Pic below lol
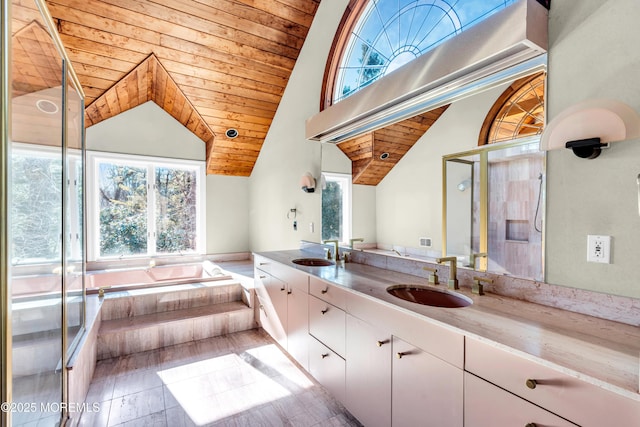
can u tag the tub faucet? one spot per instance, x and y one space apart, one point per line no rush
453 270
336 243
474 256
351 241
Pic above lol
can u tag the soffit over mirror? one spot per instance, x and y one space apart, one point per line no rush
461 66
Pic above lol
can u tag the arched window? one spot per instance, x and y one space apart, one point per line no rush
378 36
518 112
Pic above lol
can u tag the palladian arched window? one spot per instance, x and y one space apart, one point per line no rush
379 36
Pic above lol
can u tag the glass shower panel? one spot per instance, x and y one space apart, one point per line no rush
35 218
515 211
74 208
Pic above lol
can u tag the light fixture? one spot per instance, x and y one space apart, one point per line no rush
591 125
384 156
231 133
46 106
308 183
464 185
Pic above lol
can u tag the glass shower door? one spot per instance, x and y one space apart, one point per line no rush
35 217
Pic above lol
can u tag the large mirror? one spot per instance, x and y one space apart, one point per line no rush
493 201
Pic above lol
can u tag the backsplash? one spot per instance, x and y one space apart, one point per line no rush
604 306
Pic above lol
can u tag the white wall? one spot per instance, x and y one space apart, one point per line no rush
594 54
286 154
409 198
149 130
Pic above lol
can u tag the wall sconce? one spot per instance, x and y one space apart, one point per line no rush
308 183
591 125
464 185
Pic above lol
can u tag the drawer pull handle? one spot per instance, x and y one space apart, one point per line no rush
324 311
264 263
263 277
324 291
282 289
380 343
324 355
289 292
531 384
401 353
531 425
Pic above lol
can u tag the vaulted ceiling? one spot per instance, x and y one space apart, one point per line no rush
212 64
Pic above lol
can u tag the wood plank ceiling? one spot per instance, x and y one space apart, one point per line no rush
369 165
230 59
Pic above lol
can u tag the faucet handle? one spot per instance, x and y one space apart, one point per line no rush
478 287
433 277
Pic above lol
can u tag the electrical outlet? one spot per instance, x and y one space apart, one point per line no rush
425 241
599 249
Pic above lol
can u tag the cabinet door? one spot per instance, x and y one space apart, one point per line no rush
298 325
327 324
327 367
486 405
368 373
426 391
272 305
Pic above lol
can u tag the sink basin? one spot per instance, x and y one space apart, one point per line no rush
313 262
429 296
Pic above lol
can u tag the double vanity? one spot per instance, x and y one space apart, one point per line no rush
477 361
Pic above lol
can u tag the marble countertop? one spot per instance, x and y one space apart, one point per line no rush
598 351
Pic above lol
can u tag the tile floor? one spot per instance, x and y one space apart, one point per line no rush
241 379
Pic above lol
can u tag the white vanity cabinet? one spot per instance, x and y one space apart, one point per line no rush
426 391
368 373
414 377
327 328
486 405
282 293
565 395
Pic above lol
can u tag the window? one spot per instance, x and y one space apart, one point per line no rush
390 33
36 208
144 206
336 207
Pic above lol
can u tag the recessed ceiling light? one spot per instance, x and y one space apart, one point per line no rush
384 156
231 133
46 106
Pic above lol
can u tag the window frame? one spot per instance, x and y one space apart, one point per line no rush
346 181
150 163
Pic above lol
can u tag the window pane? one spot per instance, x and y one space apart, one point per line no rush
176 210
332 211
123 209
36 210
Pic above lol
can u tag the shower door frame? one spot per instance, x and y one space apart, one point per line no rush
69 78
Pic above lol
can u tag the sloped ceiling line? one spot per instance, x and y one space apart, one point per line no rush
150 81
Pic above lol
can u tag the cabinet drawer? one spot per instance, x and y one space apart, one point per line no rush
328 324
328 368
328 292
565 395
486 405
294 278
262 263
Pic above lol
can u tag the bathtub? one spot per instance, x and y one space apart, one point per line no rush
154 276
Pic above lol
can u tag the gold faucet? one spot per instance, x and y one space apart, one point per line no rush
478 287
453 270
359 239
474 256
336 243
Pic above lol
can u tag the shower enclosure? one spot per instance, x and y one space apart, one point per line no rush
42 225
